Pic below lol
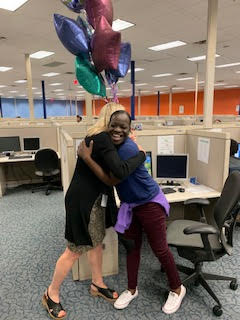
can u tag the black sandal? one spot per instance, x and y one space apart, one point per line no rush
105 293
52 307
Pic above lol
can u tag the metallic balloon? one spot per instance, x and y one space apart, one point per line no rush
85 26
105 46
123 64
97 8
71 35
88 77
74 5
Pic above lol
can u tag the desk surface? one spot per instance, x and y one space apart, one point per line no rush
191 191
7 160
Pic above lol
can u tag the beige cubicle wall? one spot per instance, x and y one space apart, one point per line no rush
24 172
46 132
214 171
232 127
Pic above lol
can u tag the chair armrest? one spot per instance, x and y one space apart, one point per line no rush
201 228
204 230
200 201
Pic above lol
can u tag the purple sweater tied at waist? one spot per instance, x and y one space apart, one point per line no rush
125 211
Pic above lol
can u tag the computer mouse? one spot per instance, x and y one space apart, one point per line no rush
181 189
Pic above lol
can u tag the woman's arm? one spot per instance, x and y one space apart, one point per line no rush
121 169
85 153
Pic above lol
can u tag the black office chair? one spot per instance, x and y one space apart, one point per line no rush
199 242
47 165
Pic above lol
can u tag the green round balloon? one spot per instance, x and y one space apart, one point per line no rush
88 77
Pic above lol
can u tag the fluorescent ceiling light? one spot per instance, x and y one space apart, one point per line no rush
4 69
34 88
136 70
41 54
168 45
198 58
2 86
219 84
145 91
237 71
120 81
126 90
177 88
55 84
199 82
60 94
119 24
11 5
84 91
20 81
228 65
13 91
38 92
160 86
50 74
140 84
184 79
232 86
58 90
22 95
162 75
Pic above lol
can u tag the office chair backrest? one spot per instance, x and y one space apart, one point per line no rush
46 160
227 208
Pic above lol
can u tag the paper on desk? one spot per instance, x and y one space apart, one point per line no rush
203 149
199 189
165 145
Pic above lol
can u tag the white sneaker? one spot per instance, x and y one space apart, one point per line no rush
174 301
124 299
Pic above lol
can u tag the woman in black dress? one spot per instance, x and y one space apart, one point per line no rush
85 213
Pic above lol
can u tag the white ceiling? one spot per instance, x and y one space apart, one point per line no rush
31 28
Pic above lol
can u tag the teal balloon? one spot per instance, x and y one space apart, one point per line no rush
89 78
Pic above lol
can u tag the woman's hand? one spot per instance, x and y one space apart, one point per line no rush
133 136
83 151
141 148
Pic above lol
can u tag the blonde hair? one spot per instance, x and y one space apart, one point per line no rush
104 118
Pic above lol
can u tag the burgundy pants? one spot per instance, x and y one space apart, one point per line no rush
151 219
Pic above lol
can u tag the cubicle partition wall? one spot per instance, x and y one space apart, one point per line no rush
208 157
14 173
148 139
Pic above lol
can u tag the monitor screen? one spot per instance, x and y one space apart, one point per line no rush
31 144
148 162
10 144
172 166
238 153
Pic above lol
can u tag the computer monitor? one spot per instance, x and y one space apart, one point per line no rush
148 162
31 144
237 155
8 144
172 167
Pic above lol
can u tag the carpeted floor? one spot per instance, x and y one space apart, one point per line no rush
32 238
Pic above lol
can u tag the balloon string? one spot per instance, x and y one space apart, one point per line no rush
114 90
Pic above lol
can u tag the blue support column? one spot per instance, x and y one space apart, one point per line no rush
44 101
158 103
1 114
133 90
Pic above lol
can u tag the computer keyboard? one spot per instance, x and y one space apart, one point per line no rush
168 190
22 156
